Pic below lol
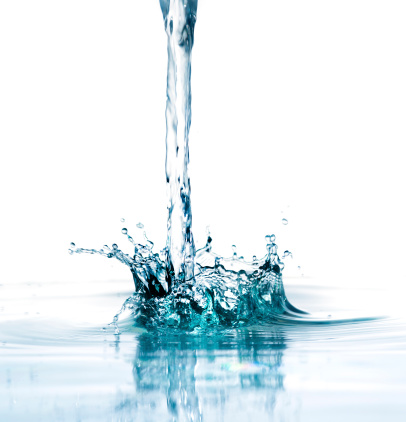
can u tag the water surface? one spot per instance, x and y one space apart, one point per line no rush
56 367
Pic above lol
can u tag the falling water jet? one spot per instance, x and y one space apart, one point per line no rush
179 18
182 286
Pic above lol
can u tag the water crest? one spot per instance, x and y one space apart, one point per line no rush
182 286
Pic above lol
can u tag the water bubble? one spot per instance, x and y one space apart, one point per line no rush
114 246
140 225
122 220
72 245
124 230
284 221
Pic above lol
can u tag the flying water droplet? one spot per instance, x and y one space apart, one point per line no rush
122 220
287 254
114 246
140 225
284 221
124 230
72 245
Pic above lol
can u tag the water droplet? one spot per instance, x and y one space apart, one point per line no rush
116 331
140 225
72 245
130 239
124 230
270 238
298 267
114 246
122 220
284 221
70 251
286 254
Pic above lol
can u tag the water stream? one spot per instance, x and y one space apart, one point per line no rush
200 337
181 286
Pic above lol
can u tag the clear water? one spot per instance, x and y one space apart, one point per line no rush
201 337
54 367
181 287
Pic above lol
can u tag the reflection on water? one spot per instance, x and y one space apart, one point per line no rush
55 371
190 378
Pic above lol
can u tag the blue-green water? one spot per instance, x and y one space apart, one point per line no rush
201 337
61 369
179 286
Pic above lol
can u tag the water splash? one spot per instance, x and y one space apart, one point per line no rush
224 292
180 286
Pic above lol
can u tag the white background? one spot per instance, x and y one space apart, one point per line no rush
298 112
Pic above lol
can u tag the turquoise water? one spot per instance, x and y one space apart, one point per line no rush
182 287
54 367
197 336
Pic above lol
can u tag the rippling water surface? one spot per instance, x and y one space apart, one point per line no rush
56 367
